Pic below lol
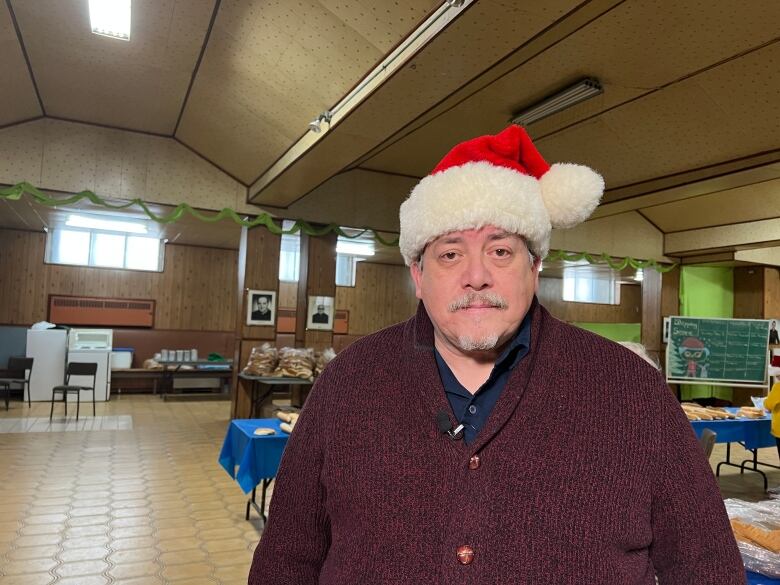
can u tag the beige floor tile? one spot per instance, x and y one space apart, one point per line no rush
242 558
89 520
33 552
132 531
133 570
34 529
191 555
135 555
86 541
83 554
39 540
178 532
140 502
126 522
76 568
197 581
81 531
83 580
142 581
187 571
226 544
219 533
131 543
28 579
131 512
29 566
232 573
173 544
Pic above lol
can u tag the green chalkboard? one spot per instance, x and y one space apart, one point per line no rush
721 352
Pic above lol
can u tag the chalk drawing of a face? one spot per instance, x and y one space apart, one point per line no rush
692 350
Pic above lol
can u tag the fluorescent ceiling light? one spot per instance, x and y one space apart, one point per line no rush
110 18
355 248
82 221
579 92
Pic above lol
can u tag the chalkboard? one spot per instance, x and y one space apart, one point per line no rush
721 352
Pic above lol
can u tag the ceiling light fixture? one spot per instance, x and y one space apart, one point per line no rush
579 92
640 275
401 55
316 124
83 221
110 18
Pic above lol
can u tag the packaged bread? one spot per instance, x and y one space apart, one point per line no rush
295 363
750 412
262 361
322 359
769 539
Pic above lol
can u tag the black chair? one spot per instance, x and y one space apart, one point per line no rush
75 369
18 372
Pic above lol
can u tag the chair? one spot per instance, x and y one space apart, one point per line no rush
707 441
75 369
19 371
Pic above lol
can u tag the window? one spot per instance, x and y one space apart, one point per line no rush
289 254
583 287
350 251
85 247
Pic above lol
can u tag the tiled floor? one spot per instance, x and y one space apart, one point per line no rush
148 504
141 506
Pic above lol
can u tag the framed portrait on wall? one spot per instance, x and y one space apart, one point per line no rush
320 313
261 307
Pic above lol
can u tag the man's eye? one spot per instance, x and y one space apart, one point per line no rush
502 252
449 255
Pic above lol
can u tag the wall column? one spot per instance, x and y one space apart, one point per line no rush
258 269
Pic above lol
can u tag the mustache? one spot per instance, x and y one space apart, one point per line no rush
490 299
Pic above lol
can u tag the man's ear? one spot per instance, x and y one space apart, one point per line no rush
416 273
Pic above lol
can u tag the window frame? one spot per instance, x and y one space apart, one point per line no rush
52 235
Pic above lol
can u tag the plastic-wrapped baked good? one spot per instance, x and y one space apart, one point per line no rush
295 363
262 361
322 359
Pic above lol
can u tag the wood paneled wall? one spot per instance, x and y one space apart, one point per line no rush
196 290
771 293
652 321
749 292
383 295
670 293
628 311
320 281
262 273
288 295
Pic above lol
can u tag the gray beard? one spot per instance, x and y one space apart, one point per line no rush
485 343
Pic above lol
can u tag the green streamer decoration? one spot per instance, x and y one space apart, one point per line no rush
16 192
614 263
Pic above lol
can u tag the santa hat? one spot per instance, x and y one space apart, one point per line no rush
502 181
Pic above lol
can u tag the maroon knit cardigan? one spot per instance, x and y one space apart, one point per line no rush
589 473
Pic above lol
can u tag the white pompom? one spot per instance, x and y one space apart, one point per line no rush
570 193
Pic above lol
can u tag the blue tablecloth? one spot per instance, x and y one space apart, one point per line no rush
754 433
257 457
756 579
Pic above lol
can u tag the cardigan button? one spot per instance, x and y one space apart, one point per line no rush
474 462
465 554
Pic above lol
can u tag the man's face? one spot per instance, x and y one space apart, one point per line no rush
262 304
320 309
477 286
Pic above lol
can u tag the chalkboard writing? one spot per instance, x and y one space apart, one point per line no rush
721 352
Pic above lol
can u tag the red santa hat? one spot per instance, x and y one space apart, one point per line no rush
502 181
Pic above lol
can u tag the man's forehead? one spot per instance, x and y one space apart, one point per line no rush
487 233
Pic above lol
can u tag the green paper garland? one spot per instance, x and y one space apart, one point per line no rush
15 193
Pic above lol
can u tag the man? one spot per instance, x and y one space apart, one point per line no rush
262 311
571 462
320 316
774 339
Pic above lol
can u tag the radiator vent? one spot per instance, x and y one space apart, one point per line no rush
99 311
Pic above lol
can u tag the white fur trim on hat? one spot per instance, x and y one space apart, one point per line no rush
571 192
472 196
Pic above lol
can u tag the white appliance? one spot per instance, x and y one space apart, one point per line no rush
48 348
92 346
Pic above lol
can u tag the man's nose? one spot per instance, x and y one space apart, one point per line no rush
476 273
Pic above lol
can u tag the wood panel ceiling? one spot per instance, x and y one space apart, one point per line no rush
690 94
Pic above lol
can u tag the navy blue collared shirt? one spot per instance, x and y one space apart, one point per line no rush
473 410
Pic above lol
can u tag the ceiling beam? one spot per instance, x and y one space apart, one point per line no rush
751 234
